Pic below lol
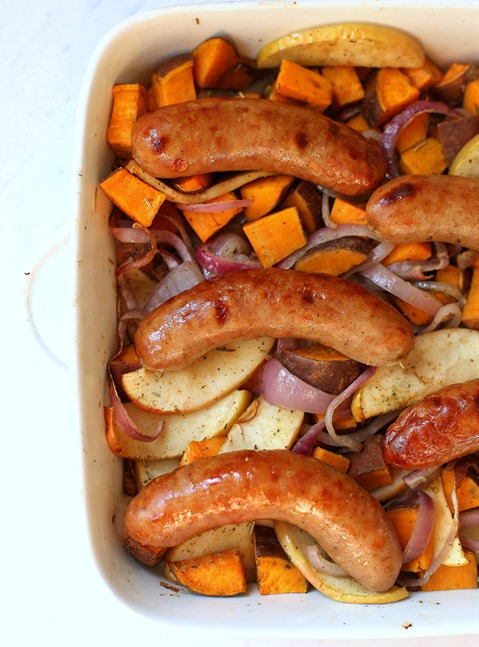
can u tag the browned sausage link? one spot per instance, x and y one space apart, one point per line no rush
419 208
212 135
441 427
246 485
248 304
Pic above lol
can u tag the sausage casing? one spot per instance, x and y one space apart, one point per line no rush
246 485
419 208
210 135
249 304
441 427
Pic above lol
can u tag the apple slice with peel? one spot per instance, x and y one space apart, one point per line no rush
295 542
357 44
203 382
466 161
263 426
178 429
438 359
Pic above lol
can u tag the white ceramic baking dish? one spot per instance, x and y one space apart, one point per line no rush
449 32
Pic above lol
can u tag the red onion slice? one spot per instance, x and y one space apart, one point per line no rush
306 443
283 389
181 278
130 235
225 253
469 542
416 270
135 234
450 315
469 518
228 244
384 278
420 478
143 260
466 258
346 440
321 563
375 425
397 123
440 286
375 256
326 212
422 528
125 423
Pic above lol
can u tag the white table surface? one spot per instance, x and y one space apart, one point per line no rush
51 589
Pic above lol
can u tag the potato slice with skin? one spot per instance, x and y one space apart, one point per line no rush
178 429
438 359
203 382
322 367
263 426
295 542
237 536
354 44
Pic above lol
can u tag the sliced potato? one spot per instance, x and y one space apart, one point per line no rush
201 383
438 359
466 161
237 536
295 542
178 429
356 44
263 426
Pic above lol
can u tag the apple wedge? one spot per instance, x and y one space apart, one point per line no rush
466 161
438 359
201 383
178 429
295 542
356 44
263 426
146 470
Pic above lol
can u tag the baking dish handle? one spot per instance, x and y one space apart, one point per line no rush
47 299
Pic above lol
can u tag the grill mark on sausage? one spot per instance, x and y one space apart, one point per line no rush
301 140
158 143
180 164
403 191
222 311
333 129
307 295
